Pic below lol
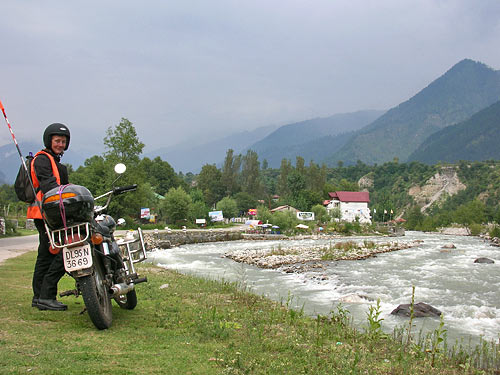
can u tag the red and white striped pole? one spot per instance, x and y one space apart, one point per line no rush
17 146
13 136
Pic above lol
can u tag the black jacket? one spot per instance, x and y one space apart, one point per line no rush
43 171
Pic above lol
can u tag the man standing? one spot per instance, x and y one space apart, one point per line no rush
47 173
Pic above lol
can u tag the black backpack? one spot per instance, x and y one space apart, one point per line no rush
22 185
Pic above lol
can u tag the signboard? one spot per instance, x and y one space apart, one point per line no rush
252 211
305 216
216 216
145 213
201 221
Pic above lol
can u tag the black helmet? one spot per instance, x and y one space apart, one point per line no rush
55 129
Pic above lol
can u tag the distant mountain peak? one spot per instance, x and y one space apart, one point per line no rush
470 67
468 87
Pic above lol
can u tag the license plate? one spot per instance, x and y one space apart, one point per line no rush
77 258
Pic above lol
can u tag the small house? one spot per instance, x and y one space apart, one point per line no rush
352 205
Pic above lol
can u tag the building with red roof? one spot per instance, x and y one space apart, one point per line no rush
352 205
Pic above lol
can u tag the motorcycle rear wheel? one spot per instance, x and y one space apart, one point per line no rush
127 301
96 297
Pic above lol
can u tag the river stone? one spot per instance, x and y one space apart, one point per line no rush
449 246
164 244
484 260
420 310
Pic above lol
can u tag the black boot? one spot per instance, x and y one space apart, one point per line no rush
34 302
51 304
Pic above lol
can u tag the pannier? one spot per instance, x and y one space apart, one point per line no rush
77 206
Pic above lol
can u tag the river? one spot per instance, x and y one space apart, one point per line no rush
467 293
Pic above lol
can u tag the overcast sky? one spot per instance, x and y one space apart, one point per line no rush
195 69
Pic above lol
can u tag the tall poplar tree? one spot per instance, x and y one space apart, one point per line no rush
285 169
230 173
250 174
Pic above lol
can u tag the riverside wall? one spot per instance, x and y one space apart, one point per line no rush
165 239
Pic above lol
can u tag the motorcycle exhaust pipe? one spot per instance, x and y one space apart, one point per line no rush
121 289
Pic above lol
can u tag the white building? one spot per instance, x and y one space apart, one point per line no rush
352 205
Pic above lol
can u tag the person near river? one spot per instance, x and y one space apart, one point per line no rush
47 173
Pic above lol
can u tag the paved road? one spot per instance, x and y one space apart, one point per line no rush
13 246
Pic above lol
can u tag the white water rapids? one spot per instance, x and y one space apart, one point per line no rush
467 293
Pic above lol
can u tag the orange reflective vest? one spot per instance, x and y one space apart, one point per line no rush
34 208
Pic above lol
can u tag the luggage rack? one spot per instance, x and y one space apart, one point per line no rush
133 251
59 237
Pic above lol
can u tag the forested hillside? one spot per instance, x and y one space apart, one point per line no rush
465 89
314 139
475 139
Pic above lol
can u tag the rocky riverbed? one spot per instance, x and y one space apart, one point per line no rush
305 258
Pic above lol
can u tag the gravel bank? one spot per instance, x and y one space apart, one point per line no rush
299 256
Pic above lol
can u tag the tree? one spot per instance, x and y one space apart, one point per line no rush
209 182
296 183
282 185
176 205
245 201
263 214
230 171
160 174
345 185
320 213
300 165
316 177
197 195
95 174
250 174
472 212
228 207
415 218
122 143
198 210
286 220
305 199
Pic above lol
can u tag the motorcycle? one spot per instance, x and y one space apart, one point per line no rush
102 267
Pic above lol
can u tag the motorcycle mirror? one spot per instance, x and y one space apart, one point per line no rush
120 168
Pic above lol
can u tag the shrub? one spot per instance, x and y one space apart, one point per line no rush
475 229
495 232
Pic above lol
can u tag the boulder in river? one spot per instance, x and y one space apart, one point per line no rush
420 310
448 246
484 260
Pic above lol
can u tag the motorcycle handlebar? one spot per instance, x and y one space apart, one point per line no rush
124 189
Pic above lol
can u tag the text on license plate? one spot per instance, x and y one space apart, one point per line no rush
77 258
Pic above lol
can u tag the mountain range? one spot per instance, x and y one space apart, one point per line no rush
453 118
312 139
465 89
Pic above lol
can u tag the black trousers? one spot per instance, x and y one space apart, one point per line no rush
49 268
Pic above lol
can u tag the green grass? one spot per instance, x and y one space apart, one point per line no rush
188 325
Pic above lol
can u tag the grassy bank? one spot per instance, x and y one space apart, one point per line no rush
187 325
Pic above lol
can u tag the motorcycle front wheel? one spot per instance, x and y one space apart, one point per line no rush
96 297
